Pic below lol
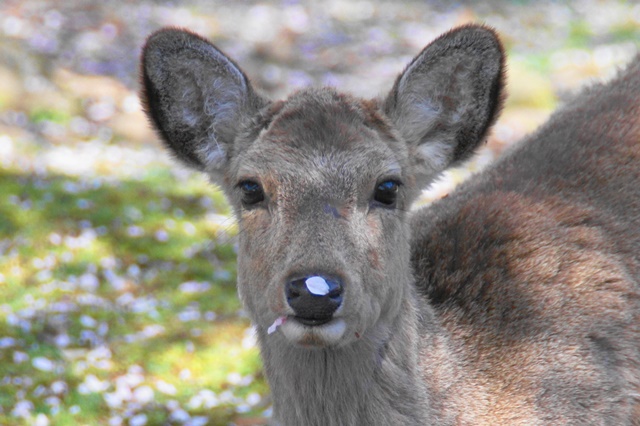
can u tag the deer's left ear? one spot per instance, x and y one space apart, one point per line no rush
448 97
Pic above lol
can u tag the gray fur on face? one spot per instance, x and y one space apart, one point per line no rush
512 301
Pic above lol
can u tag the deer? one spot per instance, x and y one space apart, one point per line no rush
514 300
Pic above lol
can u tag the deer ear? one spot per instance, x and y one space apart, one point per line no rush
448 97
196 97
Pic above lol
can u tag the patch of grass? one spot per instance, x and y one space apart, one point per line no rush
626 32
580 34
94 307
39 115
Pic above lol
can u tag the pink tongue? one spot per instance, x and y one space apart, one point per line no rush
277 323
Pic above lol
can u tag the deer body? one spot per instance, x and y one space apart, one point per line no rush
533 268
515 300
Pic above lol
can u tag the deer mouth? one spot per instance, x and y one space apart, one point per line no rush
313 332
312 322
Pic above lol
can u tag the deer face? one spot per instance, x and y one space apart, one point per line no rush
321 196
320 183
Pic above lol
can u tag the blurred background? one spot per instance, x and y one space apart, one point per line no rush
117 267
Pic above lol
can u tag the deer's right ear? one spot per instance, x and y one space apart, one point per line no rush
196 97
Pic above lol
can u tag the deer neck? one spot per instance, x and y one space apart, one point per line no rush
372 381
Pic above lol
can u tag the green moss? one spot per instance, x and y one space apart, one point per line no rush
38 115
133 242
625 32
580 34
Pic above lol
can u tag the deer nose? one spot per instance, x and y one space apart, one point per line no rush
314 299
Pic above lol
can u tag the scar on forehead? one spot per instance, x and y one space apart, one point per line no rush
329 209
338 213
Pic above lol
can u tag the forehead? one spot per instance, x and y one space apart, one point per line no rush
324 129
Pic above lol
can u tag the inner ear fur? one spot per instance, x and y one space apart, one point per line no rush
195 96
448 97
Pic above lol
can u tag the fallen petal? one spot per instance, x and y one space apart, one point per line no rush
277 323
317 285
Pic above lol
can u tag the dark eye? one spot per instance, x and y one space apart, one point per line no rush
386 192
251 192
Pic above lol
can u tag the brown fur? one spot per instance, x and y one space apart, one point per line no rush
512 301
534 267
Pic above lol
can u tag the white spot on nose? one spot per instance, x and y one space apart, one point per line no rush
317 285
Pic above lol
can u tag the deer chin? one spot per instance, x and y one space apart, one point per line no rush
314 336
